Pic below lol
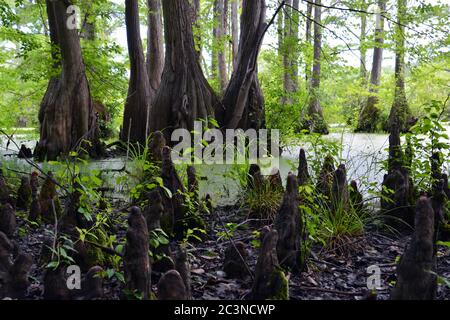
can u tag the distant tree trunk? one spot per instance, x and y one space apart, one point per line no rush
285 51
280 33
362 46
155 46
243 102
137 104
309 8
314 121
66 114
184 94
88 27
290 51
219 67
368 118
195 10
235 30
400 113
194 7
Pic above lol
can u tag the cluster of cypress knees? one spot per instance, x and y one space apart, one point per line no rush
281 244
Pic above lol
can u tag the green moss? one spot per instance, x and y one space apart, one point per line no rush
95 256
280 285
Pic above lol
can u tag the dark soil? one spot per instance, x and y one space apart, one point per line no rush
337 274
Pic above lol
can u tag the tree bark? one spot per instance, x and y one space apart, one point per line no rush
362 47
290 51
184 94
155 46
368 118
137 104
314 121
280 34
400 113
66 114
309 8
243 102
235 31
194 7
219 67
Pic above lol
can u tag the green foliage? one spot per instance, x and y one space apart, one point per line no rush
157 238
429 136
229 232
61 251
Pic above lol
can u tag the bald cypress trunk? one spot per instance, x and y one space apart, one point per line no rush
137 104
400 113
314 121
235 30
243 102
290 51
362 47
309 8
219 68
66 114
155 46
369 115
184 94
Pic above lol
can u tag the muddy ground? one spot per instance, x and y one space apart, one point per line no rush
339 274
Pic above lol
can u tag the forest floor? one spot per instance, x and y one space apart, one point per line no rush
330 274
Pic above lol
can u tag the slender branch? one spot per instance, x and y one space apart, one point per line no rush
261 37
233 244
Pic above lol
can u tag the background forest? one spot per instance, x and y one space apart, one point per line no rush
348 38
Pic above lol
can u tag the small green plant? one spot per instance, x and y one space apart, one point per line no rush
194 233
157 238
61 251
256 239
230 229
111 273
427 138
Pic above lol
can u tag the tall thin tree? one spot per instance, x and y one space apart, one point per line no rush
362 44
155 45
400 114
369 115
314 121
219 67
235 30
290 50
308 22
137 104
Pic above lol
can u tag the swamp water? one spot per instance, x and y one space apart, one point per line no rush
361 153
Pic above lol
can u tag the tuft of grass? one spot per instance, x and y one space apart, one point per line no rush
340 227
262 202
337 230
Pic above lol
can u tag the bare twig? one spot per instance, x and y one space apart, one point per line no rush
233 244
